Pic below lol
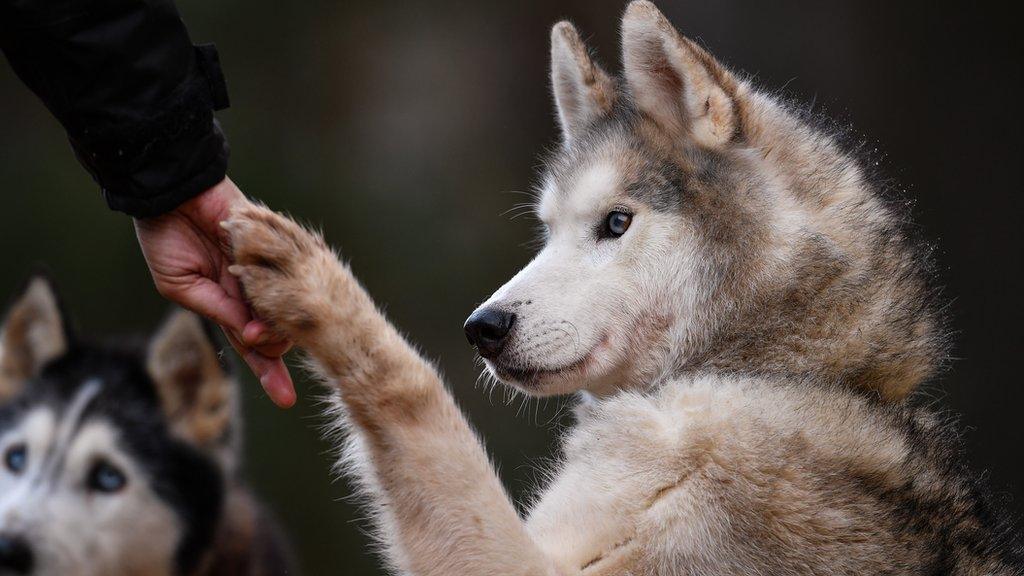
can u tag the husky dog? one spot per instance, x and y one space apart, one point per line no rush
122 461
738 311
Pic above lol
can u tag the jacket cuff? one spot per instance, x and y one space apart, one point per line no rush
156 201
150 168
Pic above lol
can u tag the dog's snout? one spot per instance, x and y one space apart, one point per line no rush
15 555
488 328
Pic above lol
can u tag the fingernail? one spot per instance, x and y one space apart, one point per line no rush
235 270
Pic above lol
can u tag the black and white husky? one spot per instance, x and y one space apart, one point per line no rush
122 460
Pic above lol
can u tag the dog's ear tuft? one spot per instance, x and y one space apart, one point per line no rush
676 82
583 91
198 396
34 333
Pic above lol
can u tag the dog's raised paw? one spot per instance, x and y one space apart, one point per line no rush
287 272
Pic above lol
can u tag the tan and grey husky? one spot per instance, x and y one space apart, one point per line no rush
737 310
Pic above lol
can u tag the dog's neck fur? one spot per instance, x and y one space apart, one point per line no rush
838 292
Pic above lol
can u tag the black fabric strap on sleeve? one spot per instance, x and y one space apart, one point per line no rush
209 61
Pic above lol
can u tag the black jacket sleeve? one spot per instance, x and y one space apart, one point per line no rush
135 96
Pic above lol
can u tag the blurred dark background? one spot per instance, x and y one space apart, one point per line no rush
402 129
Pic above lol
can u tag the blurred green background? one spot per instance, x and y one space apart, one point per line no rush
404 129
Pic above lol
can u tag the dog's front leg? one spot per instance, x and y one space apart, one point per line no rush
442 510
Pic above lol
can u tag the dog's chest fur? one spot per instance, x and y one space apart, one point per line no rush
727 476
626 457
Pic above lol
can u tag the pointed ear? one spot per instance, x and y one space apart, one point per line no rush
196 393
583 91
674 81
34 333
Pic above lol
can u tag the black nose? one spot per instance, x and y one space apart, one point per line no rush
487 329
15 555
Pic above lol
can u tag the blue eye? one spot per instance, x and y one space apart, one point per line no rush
617 223
16 458
105 477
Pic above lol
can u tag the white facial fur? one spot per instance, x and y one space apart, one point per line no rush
596 314
72 530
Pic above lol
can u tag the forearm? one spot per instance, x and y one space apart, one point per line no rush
443 509
424 466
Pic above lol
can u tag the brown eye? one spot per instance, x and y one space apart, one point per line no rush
617 223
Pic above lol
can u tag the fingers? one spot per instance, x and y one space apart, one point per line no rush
210 299
254 334
273 349
271 371
187 256
258 335
276 381
261 350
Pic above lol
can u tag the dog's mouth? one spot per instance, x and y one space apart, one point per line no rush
527 376
531 376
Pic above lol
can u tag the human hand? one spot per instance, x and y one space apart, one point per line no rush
186 251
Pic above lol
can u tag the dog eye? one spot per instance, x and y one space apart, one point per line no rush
617 223
105 477
16 458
